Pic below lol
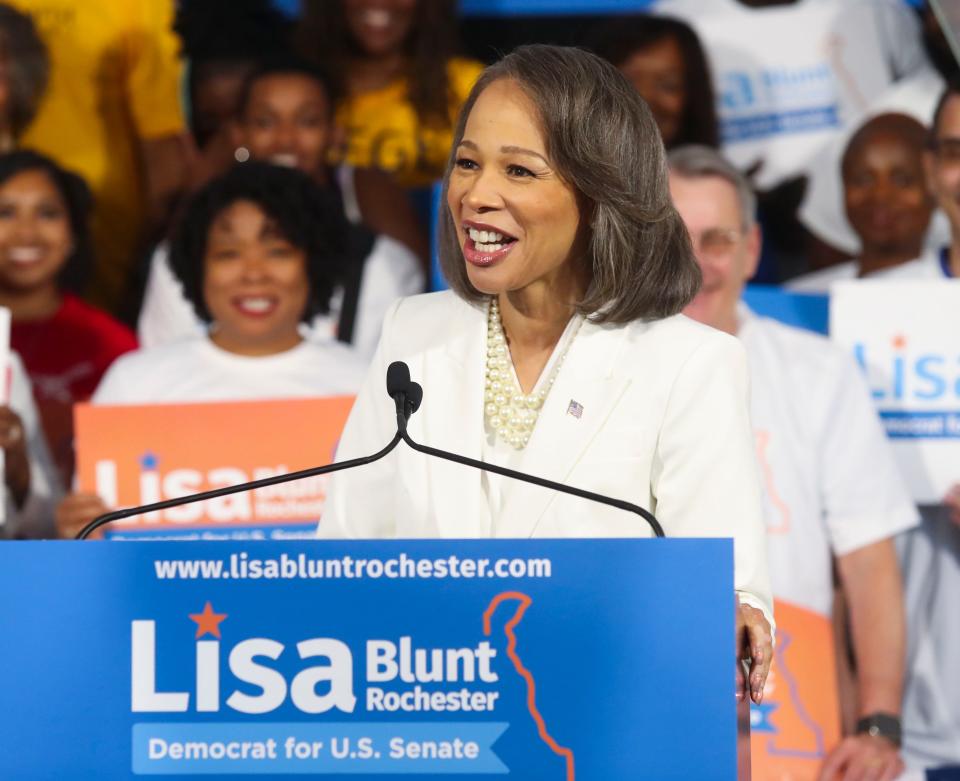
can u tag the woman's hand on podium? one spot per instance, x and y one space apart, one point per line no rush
754 646
76 511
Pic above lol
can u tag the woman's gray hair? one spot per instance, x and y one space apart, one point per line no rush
603 141
698 162
28 66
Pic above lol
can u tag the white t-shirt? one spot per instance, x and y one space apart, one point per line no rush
927 266
790 77
196 370
819 281
830 482
390 271
822 211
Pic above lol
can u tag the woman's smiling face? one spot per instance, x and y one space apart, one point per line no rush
517 220
287 121
255 282
380 26
35 234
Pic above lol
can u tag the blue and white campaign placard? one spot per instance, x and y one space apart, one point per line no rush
532 660
906 336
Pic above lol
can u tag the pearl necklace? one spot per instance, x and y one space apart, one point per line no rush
508 411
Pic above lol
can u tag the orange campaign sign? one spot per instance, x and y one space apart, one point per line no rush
132 455
798 723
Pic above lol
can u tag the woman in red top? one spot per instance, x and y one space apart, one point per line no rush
66 345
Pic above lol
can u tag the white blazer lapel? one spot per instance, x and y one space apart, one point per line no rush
561 435
453 420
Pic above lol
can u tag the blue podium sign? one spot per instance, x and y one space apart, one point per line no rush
558 659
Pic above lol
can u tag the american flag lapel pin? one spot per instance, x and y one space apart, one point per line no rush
575 408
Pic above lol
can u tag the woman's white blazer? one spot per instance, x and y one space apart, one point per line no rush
664 424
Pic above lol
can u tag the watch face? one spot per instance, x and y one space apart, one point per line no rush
881 725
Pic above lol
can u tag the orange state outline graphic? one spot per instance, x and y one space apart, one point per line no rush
523 672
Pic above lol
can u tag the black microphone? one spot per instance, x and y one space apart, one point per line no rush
406 393
414 398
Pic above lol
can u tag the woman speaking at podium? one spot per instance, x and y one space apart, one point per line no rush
559 350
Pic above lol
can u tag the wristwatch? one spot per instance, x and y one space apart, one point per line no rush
881 725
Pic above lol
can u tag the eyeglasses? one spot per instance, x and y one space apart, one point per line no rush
947 150
716 243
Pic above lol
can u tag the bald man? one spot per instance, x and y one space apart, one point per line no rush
886 201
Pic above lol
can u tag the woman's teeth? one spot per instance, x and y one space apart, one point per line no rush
256 305
25 254
488 241
376 17
284 159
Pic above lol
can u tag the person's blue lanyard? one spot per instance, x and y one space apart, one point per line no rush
945 262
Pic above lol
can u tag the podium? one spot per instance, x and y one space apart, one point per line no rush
597 660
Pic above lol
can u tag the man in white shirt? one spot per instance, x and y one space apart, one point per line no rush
832 486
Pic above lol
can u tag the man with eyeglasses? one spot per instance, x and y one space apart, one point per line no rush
831 486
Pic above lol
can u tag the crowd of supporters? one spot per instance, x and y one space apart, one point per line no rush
215 200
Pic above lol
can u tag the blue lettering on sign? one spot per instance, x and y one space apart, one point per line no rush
737 92
760 717
331 748
791 98
819 76
905 377
921 425
741 129
929 369
913 382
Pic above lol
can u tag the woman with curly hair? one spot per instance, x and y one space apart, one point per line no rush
258 251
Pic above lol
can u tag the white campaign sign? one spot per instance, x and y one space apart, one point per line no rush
906 336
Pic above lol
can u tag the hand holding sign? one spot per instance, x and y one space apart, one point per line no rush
17 464
76 511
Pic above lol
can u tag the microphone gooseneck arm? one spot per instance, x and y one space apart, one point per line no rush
398 386
407 396
414 391
327 469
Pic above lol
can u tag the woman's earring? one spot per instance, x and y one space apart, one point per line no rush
241 154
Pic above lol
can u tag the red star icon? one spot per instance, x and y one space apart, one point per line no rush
208 622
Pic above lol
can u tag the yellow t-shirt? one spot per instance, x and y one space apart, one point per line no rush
114 80
382 130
